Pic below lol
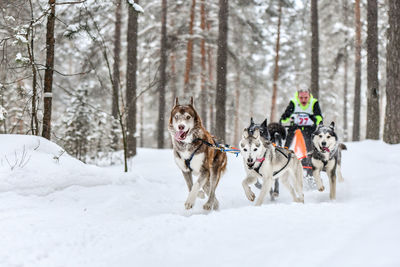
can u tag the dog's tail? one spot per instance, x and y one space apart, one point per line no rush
342 146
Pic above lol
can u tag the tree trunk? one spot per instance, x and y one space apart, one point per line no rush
142 122
346 70
211 116
48 74
116 81
373 121
163 77
357 89
236 130
131 81
31 52
189 51
314 49
391 132
203 86
220 98
276 70
172 82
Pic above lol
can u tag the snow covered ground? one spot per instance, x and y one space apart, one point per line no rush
65 213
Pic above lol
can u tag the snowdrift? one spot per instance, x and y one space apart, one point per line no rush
34 165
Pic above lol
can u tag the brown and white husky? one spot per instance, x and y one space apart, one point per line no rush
194 155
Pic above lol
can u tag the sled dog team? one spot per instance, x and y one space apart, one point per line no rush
264 158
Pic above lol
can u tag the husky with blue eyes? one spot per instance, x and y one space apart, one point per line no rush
266 162
327 156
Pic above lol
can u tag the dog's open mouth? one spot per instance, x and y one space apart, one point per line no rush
250 165
325 149
181 135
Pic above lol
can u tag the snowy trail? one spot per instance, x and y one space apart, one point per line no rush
71 214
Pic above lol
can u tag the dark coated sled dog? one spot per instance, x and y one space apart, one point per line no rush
326 156
194 155
267 162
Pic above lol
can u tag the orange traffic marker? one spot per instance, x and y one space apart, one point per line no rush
300 148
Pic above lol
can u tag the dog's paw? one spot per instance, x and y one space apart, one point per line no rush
207 206
201 194
322 188
188 205
250 195
341 180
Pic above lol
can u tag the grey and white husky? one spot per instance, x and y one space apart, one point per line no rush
275 133
262 160
326 156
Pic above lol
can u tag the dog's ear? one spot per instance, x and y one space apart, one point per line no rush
251 121
332 126
256 133
176 101
191 101
264 123
245 133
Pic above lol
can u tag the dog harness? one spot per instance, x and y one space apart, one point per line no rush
319 156
288 157
220 147
187 161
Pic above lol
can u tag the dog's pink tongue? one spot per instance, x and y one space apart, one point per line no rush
326 149
178 135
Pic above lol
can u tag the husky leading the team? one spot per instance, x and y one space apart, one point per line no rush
194 155
264 158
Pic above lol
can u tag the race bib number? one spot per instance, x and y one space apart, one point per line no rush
303 120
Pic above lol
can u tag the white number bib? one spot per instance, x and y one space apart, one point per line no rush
303 120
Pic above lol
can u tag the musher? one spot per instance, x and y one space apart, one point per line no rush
304 113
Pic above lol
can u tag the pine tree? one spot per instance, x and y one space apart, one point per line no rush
222 58
163 77
357 86
391 132
373 118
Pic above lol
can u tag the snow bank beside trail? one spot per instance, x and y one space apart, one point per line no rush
34 165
